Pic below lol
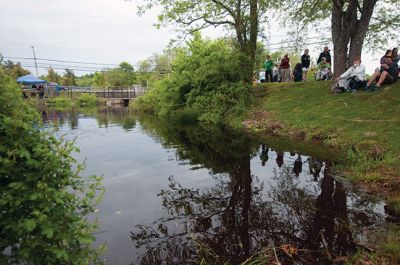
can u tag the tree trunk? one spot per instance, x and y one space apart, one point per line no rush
355 47
359 33
340 57
249 44
349 27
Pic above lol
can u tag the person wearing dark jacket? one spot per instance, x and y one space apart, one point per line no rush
305 64
298 73
326 53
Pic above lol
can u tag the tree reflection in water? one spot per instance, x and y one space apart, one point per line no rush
238 217
241 215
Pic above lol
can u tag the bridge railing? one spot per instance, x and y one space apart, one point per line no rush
109 92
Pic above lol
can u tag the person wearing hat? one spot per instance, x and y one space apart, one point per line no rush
326 53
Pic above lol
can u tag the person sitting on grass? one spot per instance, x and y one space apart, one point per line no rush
396 59
298 73
261 75
387 74
353 79
323 70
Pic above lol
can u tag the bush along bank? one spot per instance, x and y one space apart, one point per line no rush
82 100
363 127
199 89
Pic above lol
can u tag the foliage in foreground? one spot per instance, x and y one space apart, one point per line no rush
205 85
44 203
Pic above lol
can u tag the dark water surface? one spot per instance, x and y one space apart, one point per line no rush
177 195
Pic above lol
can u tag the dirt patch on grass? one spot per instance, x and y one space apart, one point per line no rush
262 120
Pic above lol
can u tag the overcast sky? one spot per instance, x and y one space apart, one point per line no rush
99 31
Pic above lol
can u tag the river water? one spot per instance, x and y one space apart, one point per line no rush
181 194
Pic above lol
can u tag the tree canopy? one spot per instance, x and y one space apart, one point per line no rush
353 23
241 17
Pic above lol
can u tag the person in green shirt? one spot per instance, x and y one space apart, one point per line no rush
324 69
268 65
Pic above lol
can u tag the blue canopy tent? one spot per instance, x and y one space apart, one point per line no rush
30 80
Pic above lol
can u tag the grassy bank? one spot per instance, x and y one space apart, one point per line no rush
363 127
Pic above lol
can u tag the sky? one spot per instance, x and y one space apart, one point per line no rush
96 31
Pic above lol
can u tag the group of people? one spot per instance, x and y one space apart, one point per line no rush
351 80
282 72
355 78
37 89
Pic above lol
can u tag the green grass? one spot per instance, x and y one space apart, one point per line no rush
365 126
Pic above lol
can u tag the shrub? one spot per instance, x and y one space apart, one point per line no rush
205 84
86 100
44 203
60 102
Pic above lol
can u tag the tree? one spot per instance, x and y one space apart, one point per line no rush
52 76
14 70
129 73
85 80
123 75
99 79
352 23
69 78
240 16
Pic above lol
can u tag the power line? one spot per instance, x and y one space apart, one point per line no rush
61 68
100 65
55 60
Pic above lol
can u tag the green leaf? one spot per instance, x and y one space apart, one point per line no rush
29 225
48 231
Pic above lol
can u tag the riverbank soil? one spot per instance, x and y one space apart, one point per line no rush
364 127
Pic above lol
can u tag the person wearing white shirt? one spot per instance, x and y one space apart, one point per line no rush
275 73
354 78
262 76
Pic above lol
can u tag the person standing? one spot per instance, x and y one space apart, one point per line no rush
285 69
326 53
275 73
268 65
305 64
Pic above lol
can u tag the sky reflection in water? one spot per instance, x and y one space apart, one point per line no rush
176 194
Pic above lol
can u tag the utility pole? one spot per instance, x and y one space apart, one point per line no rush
34 57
